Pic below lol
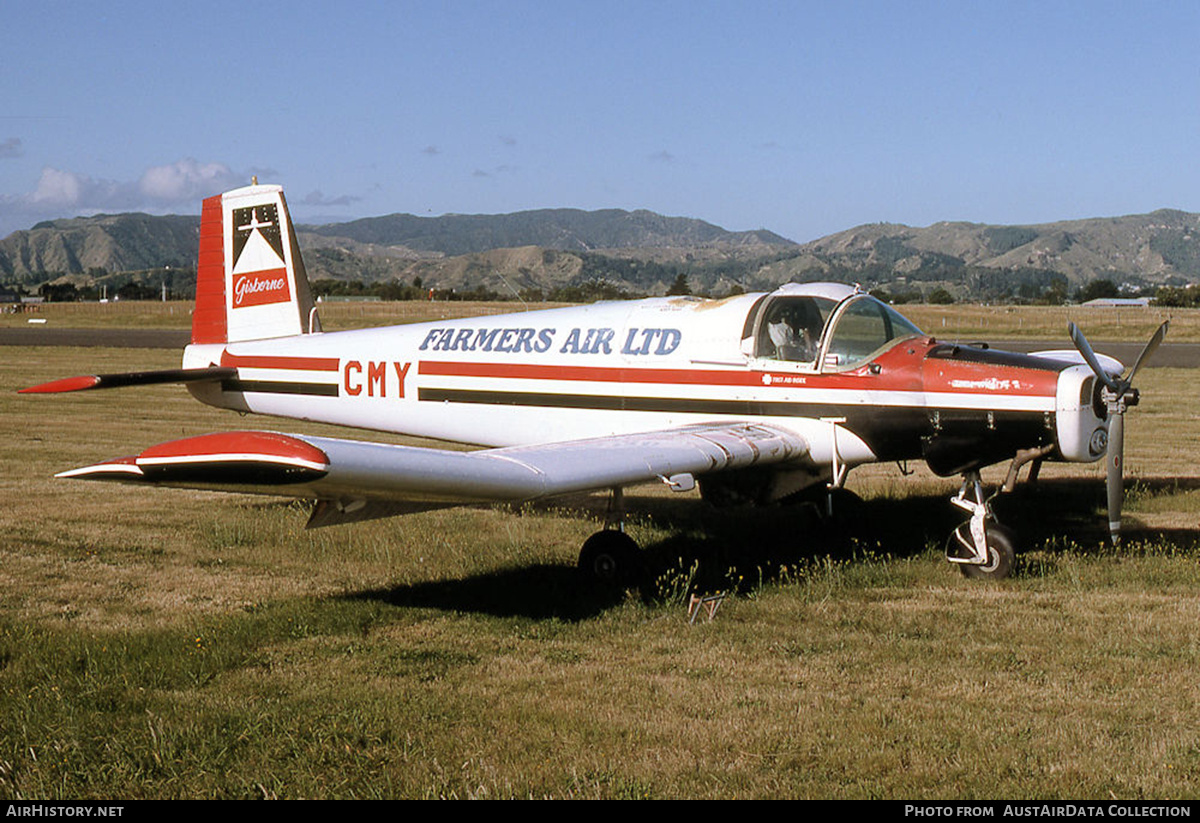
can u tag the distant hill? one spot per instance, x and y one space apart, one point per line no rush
562 229
644 251
1159 248
113 242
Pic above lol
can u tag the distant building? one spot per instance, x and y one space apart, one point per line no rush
1118 302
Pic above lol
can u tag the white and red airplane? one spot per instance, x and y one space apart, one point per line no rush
757 398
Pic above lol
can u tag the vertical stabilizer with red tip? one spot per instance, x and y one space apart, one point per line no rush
250 282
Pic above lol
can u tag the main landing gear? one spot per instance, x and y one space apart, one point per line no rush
610 557
982 547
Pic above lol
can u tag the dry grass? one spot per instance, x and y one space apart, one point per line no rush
971 322
967 322
179 644
335 316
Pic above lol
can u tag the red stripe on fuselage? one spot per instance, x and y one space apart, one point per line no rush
590 374
976 378
902 368
279 362
900 373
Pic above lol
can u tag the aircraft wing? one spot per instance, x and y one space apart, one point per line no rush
356 480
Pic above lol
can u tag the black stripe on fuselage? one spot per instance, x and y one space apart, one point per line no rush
280 387
892 432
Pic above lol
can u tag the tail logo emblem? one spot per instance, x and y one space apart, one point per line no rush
259 271
261 220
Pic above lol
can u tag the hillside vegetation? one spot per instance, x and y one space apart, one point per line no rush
541 252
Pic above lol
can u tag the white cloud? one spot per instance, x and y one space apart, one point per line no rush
56 187
187 180
67 189
177 184
176 187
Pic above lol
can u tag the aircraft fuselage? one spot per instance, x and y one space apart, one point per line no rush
622 367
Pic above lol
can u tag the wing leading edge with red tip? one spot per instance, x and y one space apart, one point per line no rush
354 472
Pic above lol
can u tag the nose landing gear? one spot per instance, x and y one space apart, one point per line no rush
981 547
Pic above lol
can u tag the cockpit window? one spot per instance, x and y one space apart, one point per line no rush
791 328
863 327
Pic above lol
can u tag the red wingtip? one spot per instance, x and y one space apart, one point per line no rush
87 381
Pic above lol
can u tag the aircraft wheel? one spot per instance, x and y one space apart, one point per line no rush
1002 553
611 558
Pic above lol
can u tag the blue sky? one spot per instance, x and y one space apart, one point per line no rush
803 118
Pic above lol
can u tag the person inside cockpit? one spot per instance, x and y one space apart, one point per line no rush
794 329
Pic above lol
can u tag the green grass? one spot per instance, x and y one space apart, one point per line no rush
163 644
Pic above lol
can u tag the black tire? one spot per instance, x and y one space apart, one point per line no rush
1002 551
610 558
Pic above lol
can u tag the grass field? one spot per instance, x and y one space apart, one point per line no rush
965 322
172 644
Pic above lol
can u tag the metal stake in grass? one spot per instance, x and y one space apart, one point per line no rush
710 604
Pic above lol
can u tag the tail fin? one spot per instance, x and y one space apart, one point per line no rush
250 282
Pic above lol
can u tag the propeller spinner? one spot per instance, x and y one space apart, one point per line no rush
1118 394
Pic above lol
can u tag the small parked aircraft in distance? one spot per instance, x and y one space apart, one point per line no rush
758 398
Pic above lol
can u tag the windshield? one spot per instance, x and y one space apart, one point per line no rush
862 328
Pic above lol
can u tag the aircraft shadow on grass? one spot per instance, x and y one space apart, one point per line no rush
710 550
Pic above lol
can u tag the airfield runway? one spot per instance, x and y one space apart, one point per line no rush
1173 355
105 338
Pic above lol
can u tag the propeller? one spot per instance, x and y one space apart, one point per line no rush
1118 394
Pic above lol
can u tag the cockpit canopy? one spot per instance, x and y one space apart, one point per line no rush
827 326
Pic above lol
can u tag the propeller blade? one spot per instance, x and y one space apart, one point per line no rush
1117 390
1085 348
1146 352
1115 464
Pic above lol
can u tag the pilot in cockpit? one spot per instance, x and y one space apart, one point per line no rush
794 328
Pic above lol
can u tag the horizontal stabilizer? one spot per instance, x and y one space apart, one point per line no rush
136 378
